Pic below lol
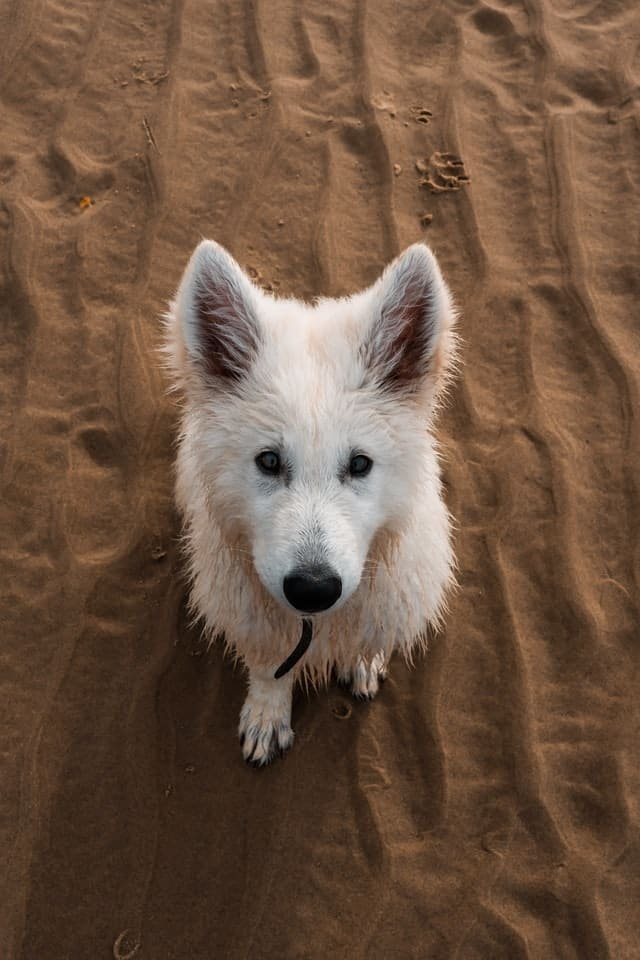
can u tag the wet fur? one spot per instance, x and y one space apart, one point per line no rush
366 371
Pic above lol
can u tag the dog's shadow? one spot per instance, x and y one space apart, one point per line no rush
251 841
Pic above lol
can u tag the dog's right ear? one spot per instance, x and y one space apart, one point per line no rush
216 307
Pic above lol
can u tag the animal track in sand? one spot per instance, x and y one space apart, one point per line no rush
7 168
421 115
101 446
384 102
443 172
99 503
270 286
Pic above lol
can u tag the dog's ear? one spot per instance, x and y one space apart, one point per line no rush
410 341
219 323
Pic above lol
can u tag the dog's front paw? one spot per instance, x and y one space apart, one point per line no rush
265 721
263 738
364 679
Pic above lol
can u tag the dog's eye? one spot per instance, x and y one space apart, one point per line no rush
359 466
268 462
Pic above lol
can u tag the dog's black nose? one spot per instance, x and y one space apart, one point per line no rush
311 589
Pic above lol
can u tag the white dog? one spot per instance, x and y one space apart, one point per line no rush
308 477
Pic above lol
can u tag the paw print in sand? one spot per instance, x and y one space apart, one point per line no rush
421 115
442 172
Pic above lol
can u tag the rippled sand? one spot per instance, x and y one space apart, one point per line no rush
487 805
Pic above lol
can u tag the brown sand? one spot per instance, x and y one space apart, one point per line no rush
488 804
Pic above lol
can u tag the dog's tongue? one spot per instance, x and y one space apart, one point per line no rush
300 650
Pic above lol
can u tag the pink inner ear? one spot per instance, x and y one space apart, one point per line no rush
404 337
227 332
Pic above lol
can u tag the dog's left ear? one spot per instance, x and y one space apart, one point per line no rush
410 342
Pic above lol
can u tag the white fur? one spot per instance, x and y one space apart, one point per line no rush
313 382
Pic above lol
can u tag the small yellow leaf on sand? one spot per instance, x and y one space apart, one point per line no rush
85 202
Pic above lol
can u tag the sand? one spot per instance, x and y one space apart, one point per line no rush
487 805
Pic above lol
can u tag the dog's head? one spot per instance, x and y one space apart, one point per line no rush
309 424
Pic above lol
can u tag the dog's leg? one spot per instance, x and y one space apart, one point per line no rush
364 679
265 720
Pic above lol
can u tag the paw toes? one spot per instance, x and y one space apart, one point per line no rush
261 745
285 739
362 696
